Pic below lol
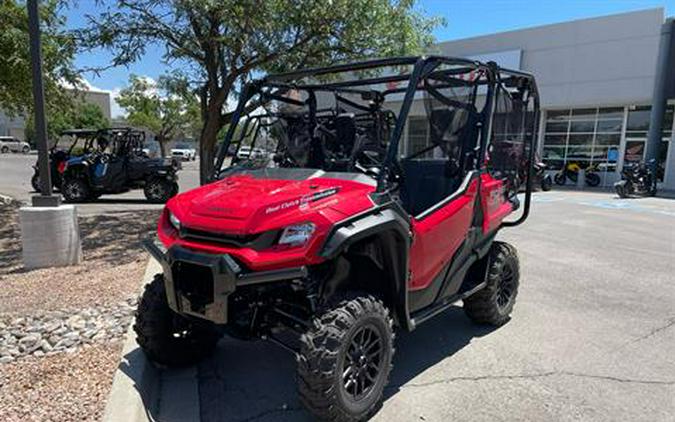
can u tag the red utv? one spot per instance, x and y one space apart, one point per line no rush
347 232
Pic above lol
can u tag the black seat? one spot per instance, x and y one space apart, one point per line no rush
428 180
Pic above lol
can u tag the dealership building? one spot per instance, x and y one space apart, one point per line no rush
596 79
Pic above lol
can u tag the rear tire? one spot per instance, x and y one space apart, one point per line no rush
159 190
592 180
345 359
167 337
75 190
35 182
4 150
559 179
493 304
25 150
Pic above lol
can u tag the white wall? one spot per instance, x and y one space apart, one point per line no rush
601 61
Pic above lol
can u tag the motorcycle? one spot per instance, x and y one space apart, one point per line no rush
541 178
571 171
638 179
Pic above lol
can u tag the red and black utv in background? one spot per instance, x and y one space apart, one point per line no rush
345 233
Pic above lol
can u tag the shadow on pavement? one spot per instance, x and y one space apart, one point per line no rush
246 381
144 377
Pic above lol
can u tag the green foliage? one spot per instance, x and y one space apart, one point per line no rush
166 107
58 49
221 44
77 115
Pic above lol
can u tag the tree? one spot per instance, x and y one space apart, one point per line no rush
58 49
222 43
78 115
165 107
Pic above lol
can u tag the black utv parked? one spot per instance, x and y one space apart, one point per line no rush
79 141
117 165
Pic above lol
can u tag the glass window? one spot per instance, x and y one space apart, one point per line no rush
610 112
558 114
638 119
610 139
554 157
591 138
583 126
610 126
556 127
555 140
584 113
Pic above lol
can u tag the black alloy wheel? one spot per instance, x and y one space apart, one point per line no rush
75 190
363 362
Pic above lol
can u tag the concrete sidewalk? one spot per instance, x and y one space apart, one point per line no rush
142 392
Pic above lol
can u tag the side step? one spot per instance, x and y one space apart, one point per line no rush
431 311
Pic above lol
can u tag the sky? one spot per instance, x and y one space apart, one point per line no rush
464 18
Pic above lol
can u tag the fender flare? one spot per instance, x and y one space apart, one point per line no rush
389 225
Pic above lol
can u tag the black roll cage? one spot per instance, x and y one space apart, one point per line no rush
423 66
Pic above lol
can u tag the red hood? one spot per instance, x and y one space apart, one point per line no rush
244 204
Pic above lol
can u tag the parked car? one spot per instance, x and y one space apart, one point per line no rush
184 152
244 152
118 165
325 254
10 143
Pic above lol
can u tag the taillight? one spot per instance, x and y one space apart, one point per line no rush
61 167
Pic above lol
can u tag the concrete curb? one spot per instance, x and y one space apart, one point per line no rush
141 392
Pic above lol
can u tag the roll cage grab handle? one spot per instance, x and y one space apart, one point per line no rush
422 66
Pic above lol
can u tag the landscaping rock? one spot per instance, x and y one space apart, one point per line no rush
59 331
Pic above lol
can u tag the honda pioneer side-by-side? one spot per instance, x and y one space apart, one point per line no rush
376 209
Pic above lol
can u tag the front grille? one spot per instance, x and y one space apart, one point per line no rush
255 241
195 282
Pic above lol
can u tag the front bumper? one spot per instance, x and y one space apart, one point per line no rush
199 284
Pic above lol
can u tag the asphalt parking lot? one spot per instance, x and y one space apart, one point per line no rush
16 171
592 336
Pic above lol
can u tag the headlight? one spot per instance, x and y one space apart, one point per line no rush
175 222
297 235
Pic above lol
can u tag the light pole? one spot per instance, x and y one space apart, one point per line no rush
46 197
50 235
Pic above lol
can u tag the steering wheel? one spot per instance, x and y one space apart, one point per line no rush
368 159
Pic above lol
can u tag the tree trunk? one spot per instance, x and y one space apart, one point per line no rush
162 145
207 143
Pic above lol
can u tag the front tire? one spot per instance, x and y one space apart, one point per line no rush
25 150
493 304
559 178
621 189
75 190
160 190
546 183
4 150
345 359
167 337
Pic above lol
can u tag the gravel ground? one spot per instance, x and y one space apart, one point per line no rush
62 387
61 328
113 263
